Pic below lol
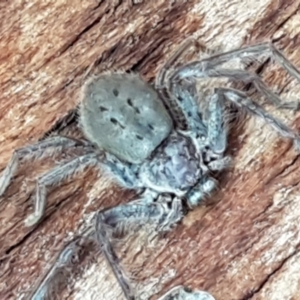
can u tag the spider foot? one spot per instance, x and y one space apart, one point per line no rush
32 219
297 144
183 293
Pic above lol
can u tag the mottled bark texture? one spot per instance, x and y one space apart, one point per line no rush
243 246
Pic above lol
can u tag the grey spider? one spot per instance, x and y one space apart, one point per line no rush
135 132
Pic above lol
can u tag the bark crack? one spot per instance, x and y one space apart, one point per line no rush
272 274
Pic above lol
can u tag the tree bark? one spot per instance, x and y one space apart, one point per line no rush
243 246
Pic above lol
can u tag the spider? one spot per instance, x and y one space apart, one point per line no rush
134 131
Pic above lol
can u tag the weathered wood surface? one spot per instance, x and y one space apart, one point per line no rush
243 247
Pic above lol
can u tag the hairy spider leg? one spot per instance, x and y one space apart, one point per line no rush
68 257
211 132
122 172
53 177
208 68
36 151
242 100
138 212
187 109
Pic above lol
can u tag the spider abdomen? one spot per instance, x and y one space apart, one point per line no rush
123 115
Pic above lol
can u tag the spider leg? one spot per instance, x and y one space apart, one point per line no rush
210 133
242 100
162 77
214 131
200 191
185 94
182 293
124 172
138 212
71 255
53 177
208 68
38 150
179 110
217 130
217 133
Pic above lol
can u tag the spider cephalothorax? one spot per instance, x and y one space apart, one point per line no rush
146 148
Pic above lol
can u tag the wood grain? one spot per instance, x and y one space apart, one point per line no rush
244 246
